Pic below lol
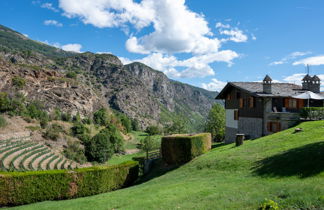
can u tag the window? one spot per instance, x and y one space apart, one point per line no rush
229 97
238 95
236 115
251 102
291 103
274 127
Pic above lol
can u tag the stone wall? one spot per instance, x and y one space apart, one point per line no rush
230 134
251 127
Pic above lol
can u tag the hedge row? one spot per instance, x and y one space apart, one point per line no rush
17 188
178 149
312 113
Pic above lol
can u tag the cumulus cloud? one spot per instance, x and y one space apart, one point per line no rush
49 6
52 23
234 34
289 58
214 85
172 29
313 61
72 47
67 47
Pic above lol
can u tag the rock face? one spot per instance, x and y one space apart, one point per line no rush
50 87
102 80
144 93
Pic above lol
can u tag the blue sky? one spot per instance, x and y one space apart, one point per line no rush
204 43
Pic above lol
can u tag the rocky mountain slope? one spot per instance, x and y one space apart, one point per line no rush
134 89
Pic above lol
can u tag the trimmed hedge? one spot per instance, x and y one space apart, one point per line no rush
17 188
312 113
178 149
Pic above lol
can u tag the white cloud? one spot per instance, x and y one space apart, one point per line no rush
313 61
49 6
197 66
234 34
52 23
72 47
25 35
66 47
253 37
173 27
214 85
290 57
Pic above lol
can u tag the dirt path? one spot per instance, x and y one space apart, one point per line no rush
132 151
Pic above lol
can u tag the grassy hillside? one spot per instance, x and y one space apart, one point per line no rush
286 167
11 40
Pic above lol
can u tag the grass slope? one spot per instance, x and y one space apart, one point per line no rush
286 167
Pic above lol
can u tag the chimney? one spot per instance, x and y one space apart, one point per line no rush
307 82
267 84
316 84
312 83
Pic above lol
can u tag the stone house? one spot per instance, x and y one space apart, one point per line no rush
257 109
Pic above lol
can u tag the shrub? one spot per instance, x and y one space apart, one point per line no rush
115 137
53 132
19 188
101 117
269 205
126 122
75 152
135 125
4 102
3 122
178 149
71 75
99 148
18 82
153 130
312 113
66 117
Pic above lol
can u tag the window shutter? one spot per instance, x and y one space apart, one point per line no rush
300 103
241 102
269 127
251 102
286 102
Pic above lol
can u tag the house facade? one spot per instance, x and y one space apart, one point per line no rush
257 109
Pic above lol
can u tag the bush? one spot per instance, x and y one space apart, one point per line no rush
18 82
71 75
3 122
269 205
135 125
75 152
53 132
99 148
4 102
115 137
312 113
19 188
101 117
67 117
178 149
153 130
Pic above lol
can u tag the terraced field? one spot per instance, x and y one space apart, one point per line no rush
21 154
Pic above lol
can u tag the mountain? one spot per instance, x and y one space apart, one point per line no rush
137 90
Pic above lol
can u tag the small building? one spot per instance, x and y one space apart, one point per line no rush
261 108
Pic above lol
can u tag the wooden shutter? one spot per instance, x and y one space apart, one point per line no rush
286 103
236 115
278 126
269 127
251 102
241 103
300 104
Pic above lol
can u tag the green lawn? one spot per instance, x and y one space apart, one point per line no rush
117 159
286 167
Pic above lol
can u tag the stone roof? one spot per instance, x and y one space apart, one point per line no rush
316 78
267 78
256 89
307 77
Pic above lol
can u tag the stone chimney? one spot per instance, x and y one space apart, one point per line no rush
307 82
267 84
312 83
316 84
